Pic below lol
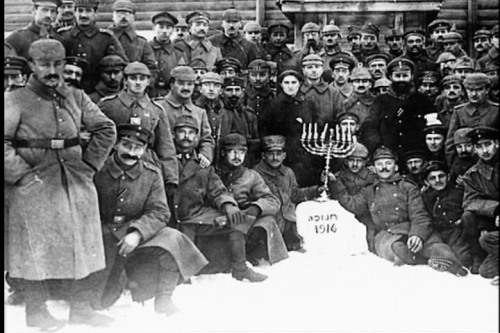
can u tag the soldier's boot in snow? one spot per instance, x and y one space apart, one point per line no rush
80 308
81 312
405 256
248 274
447 265
240 271
37 314
15 298
168 278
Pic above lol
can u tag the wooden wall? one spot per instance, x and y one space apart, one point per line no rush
17 13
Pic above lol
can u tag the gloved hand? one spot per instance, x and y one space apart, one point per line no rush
233 214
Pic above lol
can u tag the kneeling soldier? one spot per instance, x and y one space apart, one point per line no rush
134 216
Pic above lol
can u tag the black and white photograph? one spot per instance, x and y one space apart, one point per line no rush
251 166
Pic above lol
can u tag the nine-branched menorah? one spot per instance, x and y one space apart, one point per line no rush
338 143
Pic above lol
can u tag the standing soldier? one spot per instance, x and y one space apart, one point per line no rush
354 39
396 119
491 58
197 45
252 32
178 102
478 111
167 54
44 14
452 95
54 228
415 42
452 42
341 65
482 43
446 61
86 40
133 106
330 37
369 41
436 30
377 65
427 84
466 156
134 215
181 30
258 93
231 42
327 99
65 15
136 47
360 101
394 40
311 43
277 49
111 73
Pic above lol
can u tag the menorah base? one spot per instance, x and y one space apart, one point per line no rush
322 197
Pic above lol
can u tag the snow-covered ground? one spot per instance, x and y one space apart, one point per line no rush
316 291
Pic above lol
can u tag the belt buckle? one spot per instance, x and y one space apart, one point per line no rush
118 219
57 144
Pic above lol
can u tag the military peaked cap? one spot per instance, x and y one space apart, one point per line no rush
164 17
273 142
135 133
77 61
483 133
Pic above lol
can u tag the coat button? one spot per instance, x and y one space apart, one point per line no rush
121 199
123 177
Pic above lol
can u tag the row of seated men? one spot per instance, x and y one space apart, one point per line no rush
219 131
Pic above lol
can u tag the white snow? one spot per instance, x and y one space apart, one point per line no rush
316 291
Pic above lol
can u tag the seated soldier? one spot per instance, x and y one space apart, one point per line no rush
355 176
134 215
481 194
254 198
414 161
283 184
360 101
443 200
404 229
201 199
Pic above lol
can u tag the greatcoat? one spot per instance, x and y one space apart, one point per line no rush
54 225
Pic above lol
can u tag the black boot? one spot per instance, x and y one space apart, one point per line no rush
240 271
405 256
37 314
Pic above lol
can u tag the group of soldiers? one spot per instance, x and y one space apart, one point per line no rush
125 159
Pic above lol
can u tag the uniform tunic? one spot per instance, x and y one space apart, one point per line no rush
203 50
173 109
238 48
445 207
21 39
135 200
123 108
359 105
470 115
283 57
396 122
397 210
327 100
167 55
91 44
137 48
249 189
54 228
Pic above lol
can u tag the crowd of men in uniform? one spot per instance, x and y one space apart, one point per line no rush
123 156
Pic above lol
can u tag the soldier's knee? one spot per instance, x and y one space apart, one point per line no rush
469 222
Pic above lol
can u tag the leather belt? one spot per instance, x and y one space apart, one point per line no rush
46 143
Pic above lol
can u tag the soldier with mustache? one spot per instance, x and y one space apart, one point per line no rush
415 42
231 41
443 200
133 106
482 42
466 156
452 94
65 15
403 226
478 111
73 71
258 92
44 14
436 30
111 72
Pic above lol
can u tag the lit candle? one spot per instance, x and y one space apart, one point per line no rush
323 134
337 132
315 137
309 133
303 132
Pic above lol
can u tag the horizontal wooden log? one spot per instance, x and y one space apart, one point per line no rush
360 6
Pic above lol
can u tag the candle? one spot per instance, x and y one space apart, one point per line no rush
303 132
315 137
